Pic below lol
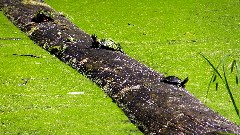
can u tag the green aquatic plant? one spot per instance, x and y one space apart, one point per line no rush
222 75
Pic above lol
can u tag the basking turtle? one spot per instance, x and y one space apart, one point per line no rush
107 44
175 81
95 43
43 16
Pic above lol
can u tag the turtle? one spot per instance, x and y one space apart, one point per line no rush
43 16
107 44
95 42
175 81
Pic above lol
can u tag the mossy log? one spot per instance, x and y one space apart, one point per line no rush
153 105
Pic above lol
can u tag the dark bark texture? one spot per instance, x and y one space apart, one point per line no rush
152 104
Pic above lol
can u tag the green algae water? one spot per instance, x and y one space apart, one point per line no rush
166 36
42 95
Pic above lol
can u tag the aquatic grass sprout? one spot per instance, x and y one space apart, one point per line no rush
222 74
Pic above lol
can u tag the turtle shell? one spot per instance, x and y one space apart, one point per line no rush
109 44
43 16
172 80
175 81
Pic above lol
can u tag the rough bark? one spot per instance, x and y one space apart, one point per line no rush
154 105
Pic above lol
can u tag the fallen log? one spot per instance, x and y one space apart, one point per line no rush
149 99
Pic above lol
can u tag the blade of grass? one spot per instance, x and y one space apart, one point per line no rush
233 65
236 79
213 67
229 90
238 72
216 86
213 78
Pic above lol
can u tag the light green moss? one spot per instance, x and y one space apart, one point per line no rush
34 2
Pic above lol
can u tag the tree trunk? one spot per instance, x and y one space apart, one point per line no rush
153 104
